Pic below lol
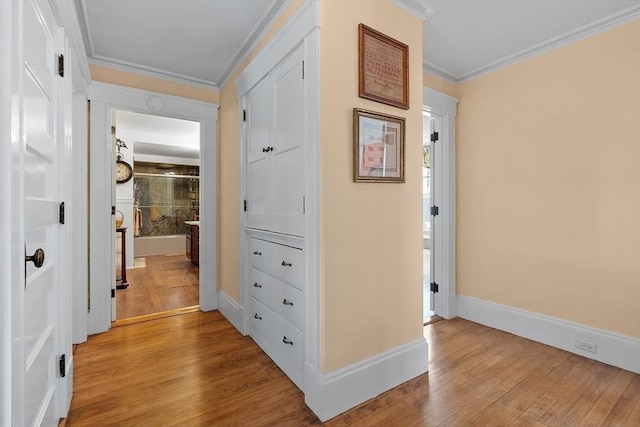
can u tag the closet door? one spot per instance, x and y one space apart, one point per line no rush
257 174
287 132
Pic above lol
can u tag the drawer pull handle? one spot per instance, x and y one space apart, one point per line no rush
286 264
256 285
255 316
257 253
285 302
286 341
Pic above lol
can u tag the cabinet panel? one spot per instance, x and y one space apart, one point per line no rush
258 165
282 335
284 299
287 137
280 261
274 135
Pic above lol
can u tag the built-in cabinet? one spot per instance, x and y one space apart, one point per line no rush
275 120
275 111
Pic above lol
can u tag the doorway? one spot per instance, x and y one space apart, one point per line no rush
157 214
427 296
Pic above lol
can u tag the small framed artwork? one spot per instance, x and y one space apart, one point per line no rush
378 147
383 72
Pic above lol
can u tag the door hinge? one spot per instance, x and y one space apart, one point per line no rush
302 70
244 115
434 136
61 65
113 210
245 205
435 210
435 287
63 365
113 293
61 213
304 205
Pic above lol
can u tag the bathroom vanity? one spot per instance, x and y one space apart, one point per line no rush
192 230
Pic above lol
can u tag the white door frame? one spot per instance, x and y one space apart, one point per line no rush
445 107
104 98
7 30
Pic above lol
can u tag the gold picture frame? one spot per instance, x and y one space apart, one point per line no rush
378 147
383 71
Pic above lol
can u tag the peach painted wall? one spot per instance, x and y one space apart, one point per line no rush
371 240
138 81
441 85
548 183
228 168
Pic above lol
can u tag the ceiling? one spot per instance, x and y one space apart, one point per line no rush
202 41
158 136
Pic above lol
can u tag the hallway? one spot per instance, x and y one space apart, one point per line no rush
196 369
166 282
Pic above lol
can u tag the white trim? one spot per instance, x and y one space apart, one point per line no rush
445 107
80 226
331 394
264 24
434 70
105 97
7 31
65 12
418 8
556 42
613 349
155 73
152 158
232 311
297 28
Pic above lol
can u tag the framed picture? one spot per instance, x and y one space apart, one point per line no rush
378 147
383 68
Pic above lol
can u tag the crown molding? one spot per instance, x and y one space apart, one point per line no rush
439 72
256 34
569 37
152 72
418 8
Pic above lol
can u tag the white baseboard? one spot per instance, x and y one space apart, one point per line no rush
613 349
232 311
331 394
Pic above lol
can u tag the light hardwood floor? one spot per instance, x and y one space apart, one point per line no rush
197 370
167 282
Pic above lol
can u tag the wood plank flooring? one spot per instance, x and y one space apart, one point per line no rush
167 282
197 370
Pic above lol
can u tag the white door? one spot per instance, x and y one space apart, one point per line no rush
287 163
36 123
258 149
435 234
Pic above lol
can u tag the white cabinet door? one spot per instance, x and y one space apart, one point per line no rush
287 161
257 142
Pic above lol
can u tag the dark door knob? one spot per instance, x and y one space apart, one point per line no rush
37 258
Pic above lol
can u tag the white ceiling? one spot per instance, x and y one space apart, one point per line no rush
467 38
202 41
158 136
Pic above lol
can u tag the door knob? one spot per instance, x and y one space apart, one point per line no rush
37 258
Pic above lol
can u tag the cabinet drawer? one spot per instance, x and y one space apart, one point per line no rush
280 261
280 333
284 299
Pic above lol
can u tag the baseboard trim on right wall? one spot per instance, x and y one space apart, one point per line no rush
612 348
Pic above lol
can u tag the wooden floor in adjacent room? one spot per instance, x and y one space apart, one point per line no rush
197 370
167 282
